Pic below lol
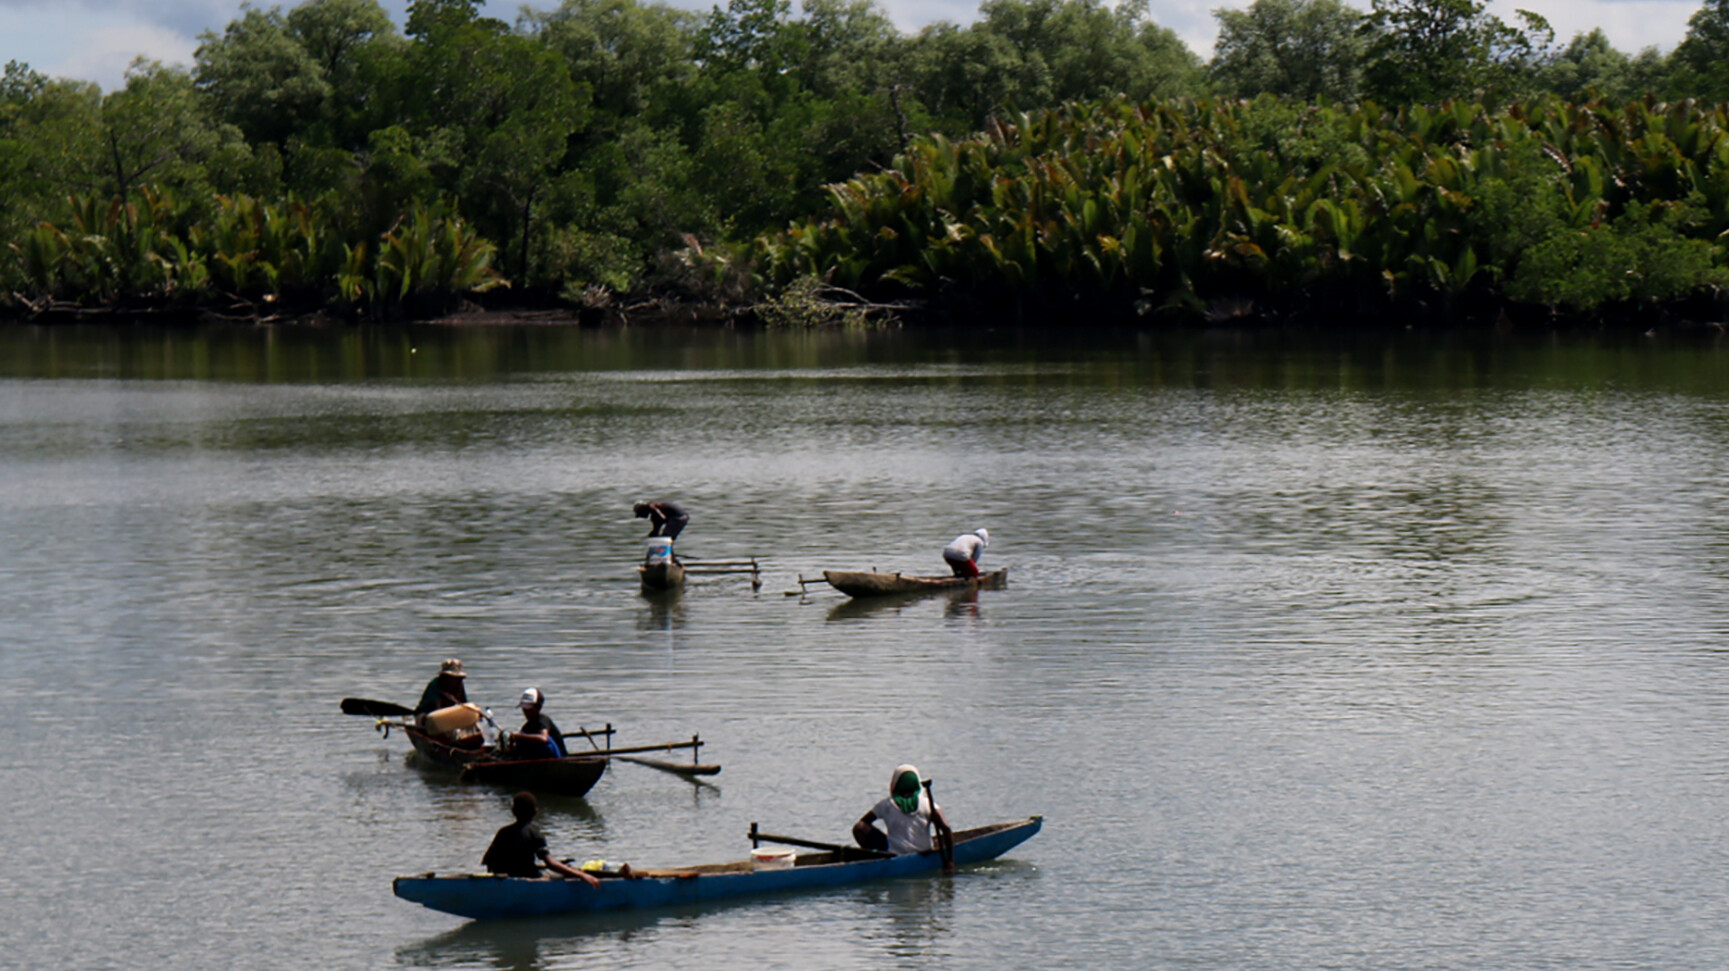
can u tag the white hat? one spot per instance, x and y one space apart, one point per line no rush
983 534
530 698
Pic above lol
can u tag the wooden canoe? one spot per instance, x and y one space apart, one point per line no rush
890 584
570 776
487 897
660 577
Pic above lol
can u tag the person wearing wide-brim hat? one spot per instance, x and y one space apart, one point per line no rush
444 690
441 693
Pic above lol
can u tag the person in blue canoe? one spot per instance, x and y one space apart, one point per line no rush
519 850
907 815
538 738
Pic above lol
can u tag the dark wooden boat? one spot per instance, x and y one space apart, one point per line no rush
890 584
570 776
487 897
661 577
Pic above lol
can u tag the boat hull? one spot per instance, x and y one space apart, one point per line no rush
900 584
486 897
659 577
570 776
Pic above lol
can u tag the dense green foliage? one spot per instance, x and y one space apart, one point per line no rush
319 157
1216 208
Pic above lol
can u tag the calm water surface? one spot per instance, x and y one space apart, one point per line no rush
1409 654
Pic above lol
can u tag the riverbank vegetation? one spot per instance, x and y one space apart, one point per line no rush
614 156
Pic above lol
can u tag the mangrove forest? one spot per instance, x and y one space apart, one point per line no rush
1056 161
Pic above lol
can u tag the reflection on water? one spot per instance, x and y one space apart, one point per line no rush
663 610
951 603
1320 652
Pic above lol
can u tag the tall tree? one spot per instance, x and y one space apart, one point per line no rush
1430 50
155 130
622 52
493 112
344 39
261 77
1027 54
1303 49
1702 57
1590 66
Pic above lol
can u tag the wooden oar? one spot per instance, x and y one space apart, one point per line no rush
860 852
945 835
374 709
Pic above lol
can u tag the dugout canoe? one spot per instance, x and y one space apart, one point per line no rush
570 776
892 584
487 897
661 577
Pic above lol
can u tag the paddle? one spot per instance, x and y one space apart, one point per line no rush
945 836
855 852
374 709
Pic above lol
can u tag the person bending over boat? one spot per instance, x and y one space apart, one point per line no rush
518 848
963 554
538 738
664 518
907 816
444 691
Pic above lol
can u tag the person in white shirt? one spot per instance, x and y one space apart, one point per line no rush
963 554
907 815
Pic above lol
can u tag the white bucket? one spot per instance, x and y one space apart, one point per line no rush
659 550
772 858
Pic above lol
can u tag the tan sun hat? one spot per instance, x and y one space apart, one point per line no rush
452 667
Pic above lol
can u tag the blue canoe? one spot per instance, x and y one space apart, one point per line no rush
486 897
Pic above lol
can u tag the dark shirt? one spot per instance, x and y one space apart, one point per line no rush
435 697
538 724
661 513
515 850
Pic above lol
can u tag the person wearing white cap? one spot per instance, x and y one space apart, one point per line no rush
907 815
963 554
538 738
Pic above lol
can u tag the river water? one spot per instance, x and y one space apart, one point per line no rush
1398 653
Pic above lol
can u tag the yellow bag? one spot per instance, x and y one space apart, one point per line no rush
452 718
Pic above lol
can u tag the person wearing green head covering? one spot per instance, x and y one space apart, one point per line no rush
907 816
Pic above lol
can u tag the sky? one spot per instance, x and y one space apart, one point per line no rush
94 40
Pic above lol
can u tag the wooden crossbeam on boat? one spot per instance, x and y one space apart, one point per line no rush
749 566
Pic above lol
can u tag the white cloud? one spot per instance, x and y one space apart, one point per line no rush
105 54
1630 25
